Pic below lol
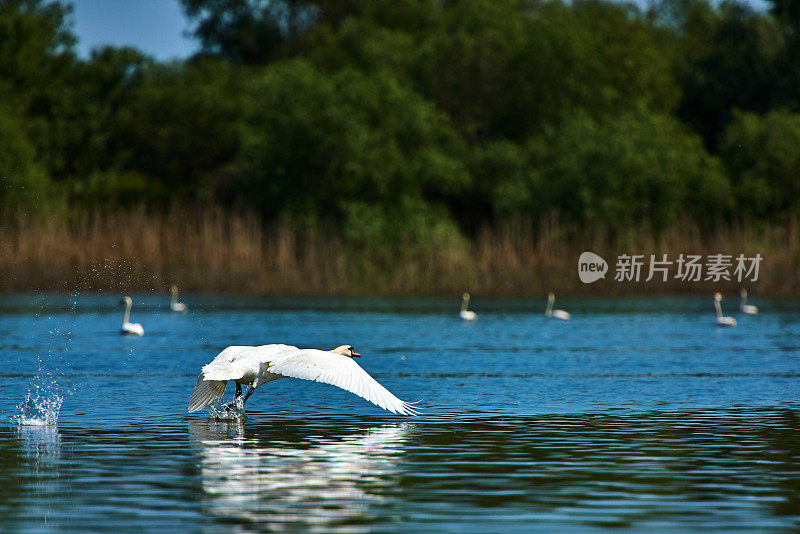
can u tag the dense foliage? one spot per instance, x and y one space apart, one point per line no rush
415 122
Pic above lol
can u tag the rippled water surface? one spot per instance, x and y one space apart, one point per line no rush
638 414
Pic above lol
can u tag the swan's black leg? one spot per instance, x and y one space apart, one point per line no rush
236 396
247 395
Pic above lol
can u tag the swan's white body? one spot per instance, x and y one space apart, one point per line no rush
128 328
174 305
554 314
255 366
721 319
744 307
467 315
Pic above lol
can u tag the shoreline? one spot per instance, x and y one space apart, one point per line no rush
215 251
729 291
730 298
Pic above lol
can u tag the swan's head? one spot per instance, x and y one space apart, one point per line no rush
465 296
717 296
173 289
743 293
126 300
346 350
551 296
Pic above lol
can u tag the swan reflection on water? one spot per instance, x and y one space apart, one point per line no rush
267 476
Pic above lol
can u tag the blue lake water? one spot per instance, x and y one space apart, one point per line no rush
636 414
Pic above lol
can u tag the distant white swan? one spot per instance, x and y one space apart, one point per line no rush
128 328
174 305
467 315
744 307
554 314
721 319
255 366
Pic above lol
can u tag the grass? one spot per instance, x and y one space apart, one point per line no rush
218 251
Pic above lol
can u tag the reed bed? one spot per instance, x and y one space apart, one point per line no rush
215 250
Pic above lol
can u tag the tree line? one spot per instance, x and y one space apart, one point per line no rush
415 122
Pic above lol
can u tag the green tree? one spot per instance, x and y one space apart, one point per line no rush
259 31
762 153
360 43
597 57
508 179
352 149
25 188
633 169
504 69
36 61
467 64
507 69
182 123
787 15
730 59
81 133
35 51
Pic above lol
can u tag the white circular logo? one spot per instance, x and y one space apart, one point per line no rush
591 267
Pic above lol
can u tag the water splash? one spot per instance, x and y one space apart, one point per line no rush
227 411
42 404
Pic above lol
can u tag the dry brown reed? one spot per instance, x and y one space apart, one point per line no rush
216 250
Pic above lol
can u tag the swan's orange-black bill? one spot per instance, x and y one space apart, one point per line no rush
355 354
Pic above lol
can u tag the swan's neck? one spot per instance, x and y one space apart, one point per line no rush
743 298
719 309
127 316
464 304
549 309
173 299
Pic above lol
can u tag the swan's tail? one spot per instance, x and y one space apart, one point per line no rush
206 392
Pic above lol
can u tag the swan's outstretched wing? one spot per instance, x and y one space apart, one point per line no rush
214 377
341 371
206 392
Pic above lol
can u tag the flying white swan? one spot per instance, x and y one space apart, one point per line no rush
554 314
128 328
467 315
721 319
744 307
255 366
174 305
